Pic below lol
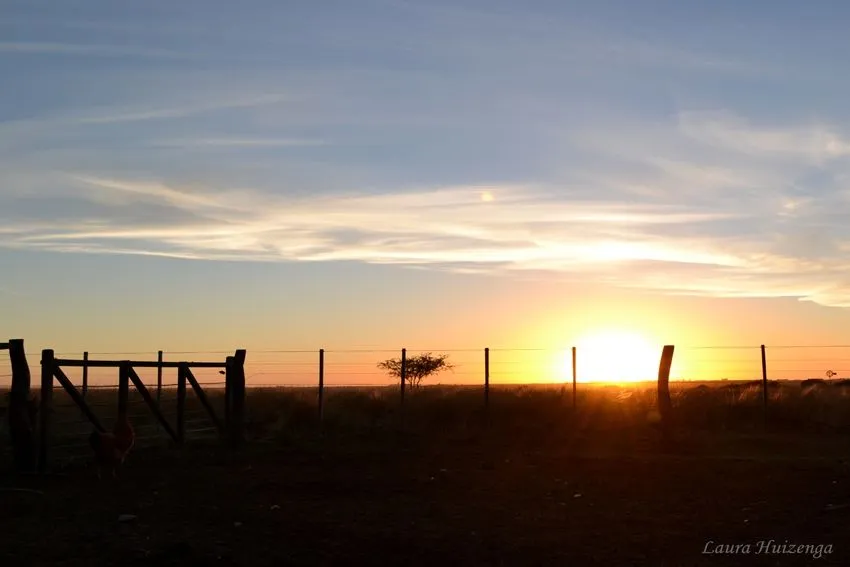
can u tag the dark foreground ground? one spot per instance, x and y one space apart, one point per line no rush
474 500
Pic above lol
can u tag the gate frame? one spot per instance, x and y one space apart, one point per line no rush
51 369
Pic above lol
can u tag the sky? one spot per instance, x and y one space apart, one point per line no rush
205 176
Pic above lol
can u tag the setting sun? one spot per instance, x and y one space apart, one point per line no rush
615 356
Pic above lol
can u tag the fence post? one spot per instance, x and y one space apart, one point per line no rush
158 376
181 403
228 392
403 375
85 373
22 417
123 389
21 377
47 368
764 381
487 381
665 407
403 372
321 386
238 393
575 377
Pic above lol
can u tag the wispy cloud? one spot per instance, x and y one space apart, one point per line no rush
714 217
490 140
814 143
237 143
124 27
130 115
518 228
537 38
513 214
707 224
13 131
35 47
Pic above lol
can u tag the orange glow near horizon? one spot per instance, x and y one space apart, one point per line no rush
614 355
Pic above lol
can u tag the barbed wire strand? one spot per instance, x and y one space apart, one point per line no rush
396 350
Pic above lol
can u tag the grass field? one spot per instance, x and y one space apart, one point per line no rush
532 482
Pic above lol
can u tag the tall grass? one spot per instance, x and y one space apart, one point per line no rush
544 409
445 413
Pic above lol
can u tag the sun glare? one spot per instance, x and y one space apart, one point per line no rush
614 356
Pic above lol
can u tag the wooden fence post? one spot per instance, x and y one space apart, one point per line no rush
321 386
403 372
158 376
403 376
228 391
21 378
764 381
85 373
575 377
665 406
22 409
487 380
47 366
181 404
237 429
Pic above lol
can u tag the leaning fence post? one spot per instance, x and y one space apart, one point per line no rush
321 386
764 381
158 376
47 368
665 407
85 373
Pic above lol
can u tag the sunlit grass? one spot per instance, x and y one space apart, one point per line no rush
436 412
718 407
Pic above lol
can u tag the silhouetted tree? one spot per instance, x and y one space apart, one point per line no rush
831 373
417 367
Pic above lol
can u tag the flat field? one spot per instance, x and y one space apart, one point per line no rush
532 482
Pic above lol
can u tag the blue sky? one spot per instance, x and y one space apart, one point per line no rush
300 152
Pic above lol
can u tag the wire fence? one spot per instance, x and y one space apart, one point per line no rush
359 367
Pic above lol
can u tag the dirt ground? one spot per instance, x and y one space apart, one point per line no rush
406 499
